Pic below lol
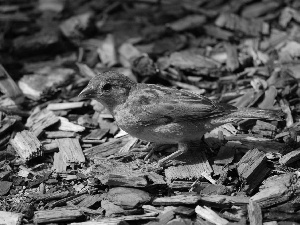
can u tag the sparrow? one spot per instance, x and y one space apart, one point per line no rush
164 115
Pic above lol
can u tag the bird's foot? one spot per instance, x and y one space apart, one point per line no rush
182 148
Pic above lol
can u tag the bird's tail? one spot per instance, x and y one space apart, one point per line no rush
252 113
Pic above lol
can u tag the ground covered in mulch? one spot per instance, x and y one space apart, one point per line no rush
63 160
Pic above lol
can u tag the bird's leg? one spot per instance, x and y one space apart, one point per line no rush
182 148
153 147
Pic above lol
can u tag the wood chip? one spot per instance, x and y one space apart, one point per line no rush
209 215
60 134
40 120
27 145
290 157
252 167
196 165
106 149
177 200
224 200
127 198
272 196
250 27
65 106
70 153
125 181
65 125
56 215
254 213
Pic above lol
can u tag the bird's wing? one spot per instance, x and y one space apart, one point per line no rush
154 104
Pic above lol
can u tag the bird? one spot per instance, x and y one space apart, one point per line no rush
164 115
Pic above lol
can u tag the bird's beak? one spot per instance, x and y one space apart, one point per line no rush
87 92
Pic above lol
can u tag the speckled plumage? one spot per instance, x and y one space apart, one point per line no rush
162 114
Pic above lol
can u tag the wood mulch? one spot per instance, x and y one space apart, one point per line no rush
63 160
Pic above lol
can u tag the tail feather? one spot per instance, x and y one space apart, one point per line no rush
252 113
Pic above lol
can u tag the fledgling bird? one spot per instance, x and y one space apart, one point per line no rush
164 115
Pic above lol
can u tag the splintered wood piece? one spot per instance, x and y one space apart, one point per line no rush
195 165
221 201
273 195
10 218
40 120
262 144
65 125
60 134
27 145
70 153
125 181
232 62
250 27
254 213
290 157
107 149
56 215
177 200
65 106
209 215
252 167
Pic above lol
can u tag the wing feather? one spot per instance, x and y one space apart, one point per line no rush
154 104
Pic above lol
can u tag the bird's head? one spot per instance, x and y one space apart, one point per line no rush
109 88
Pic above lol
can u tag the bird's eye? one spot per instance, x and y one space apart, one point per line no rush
106 87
